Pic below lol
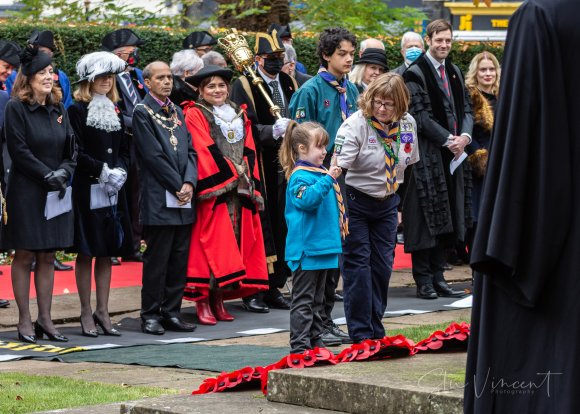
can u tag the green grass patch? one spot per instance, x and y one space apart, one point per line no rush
420 332
23 393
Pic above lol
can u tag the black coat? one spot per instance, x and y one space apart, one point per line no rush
97 231
40 140
436 204
182 92
526 310
161 167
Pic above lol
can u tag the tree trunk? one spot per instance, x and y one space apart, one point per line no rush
230 10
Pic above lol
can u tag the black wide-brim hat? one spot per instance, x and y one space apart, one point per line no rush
33 60
374 56
267 43
42 38
209 71
10 52
197 39
120 38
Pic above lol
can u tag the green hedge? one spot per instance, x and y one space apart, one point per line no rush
73 41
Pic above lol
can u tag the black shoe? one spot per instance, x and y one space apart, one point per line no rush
137 257
426 292
329 339
29 339
40 332
255 304
106 332
115 261
4 303
339 333
152 327
338 297
275 300
177 325
400 238
93 333
444 290
58 265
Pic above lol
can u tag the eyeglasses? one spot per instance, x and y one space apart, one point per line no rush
386 105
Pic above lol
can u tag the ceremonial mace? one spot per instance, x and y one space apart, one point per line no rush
240 54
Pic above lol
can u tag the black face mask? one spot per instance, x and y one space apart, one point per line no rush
133 59
273 66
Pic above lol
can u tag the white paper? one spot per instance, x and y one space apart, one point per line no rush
173 202
181 340
261 331
406 312
56 206
462 303
457 162
100 198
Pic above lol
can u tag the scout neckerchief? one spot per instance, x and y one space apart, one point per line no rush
342 217
393 136
340 88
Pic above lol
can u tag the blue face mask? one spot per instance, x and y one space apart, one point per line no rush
412 54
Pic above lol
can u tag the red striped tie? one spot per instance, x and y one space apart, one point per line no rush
444 79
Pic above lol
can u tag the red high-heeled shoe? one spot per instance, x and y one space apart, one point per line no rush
204 313
219 310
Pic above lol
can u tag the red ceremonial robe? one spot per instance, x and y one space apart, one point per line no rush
214 249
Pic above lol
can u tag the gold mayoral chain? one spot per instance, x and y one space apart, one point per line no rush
161 121
230 135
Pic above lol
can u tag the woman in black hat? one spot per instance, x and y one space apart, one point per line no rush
371 65
102 225
41 144
226 257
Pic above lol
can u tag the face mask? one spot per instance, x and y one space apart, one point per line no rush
273 66
412 54
133 59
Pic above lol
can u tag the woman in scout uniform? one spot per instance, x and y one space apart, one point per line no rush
375 145
227 259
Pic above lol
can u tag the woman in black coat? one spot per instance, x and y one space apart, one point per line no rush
41 144
102 229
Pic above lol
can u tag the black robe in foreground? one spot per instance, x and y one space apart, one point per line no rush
525 333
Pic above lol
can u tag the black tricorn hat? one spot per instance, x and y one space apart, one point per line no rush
283 31
268 43
197 39
208 71
33 60
42 38
374 56
119 38
9 52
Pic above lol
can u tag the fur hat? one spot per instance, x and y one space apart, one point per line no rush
197 39
32 60
9 52
119 38
97 64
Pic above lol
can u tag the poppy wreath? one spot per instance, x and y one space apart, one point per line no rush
454 337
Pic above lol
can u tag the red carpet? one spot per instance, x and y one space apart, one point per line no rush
129 274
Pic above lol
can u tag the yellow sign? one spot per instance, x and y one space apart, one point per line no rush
500 23
466 22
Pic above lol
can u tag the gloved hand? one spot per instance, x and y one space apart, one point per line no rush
57 180
279 127
117 177
104 177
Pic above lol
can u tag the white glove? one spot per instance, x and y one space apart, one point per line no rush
117 177
104 177
279 128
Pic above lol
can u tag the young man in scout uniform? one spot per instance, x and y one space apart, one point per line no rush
329 98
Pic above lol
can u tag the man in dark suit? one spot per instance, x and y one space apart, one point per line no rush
268 132
168 175
437 206
131 87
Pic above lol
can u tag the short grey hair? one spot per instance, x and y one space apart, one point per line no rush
365 44
411 36
290 54
211 57
185 60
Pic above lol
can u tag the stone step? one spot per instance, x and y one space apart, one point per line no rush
425 383
247 402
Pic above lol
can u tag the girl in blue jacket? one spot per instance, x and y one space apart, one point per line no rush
315 219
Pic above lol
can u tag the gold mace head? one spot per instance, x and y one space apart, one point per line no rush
237 49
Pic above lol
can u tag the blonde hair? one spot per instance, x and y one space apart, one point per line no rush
356 76
306 134
386 86
471 77
23 91
83 92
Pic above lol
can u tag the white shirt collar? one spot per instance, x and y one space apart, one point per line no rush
434 61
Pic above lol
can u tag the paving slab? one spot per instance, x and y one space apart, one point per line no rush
425 383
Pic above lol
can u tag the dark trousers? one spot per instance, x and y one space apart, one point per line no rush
307 305
133 191
164 270
428 265
368 262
